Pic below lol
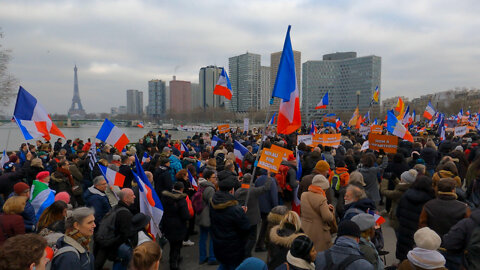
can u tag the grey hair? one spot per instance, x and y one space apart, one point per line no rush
78 215
357 192
97 180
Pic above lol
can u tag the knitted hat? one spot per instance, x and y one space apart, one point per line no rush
427 238
348 228
252 263
320 181
20 188
36 162
322 166
42 175
364 221
301 246
63 196
409 176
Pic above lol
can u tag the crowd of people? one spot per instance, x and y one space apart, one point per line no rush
59 211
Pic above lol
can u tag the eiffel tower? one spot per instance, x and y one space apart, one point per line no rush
78 112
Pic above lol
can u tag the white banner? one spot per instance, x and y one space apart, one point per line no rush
460 131
364 131
246 123
307 139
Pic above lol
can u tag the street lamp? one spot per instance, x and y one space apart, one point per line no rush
358 98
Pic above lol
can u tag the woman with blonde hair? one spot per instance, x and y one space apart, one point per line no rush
146 256
11 221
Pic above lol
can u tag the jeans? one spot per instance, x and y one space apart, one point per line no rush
202 245
124 254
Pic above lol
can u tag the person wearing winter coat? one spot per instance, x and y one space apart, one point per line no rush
209 187
301 255
457 238
317 215
281 238
266 202
366 223
162 177
425 254
356 179
408 213
322 168
370 174
229 224
253 208
346 245
96 198
61 179
406 179
174 221
430 155
28 214
274 218
75 243
447 170
356 202
10 220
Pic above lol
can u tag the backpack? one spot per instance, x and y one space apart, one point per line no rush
197 200
336 182
343 265
472 251
105 235
59 252
281 178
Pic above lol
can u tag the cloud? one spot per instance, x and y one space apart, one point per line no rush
425 46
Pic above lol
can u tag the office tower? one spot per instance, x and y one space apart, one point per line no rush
134 102
180 96
207 79
244 72
274 62
156 98
197 100
265 88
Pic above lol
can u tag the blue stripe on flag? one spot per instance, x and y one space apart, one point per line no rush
105 130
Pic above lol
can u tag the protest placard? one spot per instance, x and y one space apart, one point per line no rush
331 139
388 143
306 139
364 131
270 160
460 131
285 151
223 128
376 129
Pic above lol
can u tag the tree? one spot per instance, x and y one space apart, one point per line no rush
7 81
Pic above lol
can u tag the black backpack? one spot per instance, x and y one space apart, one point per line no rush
105 235
343 265
472 251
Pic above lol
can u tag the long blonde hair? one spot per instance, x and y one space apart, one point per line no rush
291 218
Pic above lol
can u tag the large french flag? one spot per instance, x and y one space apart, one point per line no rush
150 204
192 180
396 128
429 111
32 118
323 103
406 116
289 118
240 151
111 134
223 87
215 141
113 178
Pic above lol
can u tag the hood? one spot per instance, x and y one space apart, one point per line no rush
57 176
93 190
417 196
340 170
222 200
343 241
284 240
274 218
206 184
446 174
362 204
192 160
174 194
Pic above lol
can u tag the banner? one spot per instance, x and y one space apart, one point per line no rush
223 128
285 151
388 143
246 123
270 160
376 129
327 139
306 139
460 131
364 131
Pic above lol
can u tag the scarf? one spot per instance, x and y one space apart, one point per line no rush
426 259
447 194
68 174
298 262
80 238
317 190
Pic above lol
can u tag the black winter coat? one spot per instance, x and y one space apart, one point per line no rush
279 245
127 171
430 156
408 213
162 178
230 227
456 240
175 215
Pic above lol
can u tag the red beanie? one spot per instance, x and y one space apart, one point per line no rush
20 187
63 196
42 175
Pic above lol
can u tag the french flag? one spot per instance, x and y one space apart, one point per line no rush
396 128
313 128
215 141
32 118
145 157
429 111
406 116
323 103
140 125
289 117
113 178
223 87
379 220
111 134
338 123
183 148
149 201
272 121
192 180
240 151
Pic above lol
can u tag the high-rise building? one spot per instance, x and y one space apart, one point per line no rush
265 88
207 79
274 62
244 72
197 100
346 77
180 96
134 102
156 98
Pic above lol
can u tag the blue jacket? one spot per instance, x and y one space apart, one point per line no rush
83 260
343 247
99 201
267 200
175 166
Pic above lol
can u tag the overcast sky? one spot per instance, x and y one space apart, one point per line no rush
426 46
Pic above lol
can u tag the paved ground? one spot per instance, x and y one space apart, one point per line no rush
190 254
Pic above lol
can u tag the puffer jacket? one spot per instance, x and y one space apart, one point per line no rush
456 240
175 165
342 248
175 215
99 201
230 227
280 242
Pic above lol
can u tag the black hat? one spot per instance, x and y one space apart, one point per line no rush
227 184
139 221
178 185
301 247
348 228
164 160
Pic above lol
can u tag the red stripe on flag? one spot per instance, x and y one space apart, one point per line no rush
119 179
122 141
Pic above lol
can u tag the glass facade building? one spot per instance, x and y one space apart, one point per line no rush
245 73
157 98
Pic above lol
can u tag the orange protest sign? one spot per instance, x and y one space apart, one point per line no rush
270 160
285 151
388 143
376 129
327 139
223 128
